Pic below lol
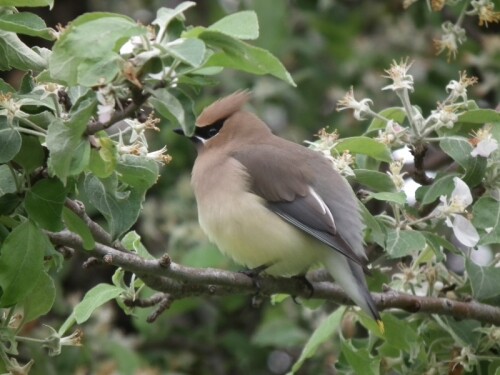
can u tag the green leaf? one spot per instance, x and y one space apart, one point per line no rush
241 25
360 360
189 50
40 300
168 106
69 150
103 162
21 262
239 55
400 335
7 182
92 37
376 231
374 180
15 54
397 114
165 15
442 186
28 3
437 243
10 141
132 242
483 280
400 243
479 116
26 23
323 332
458 148
5 87
78 226
44 203
398 198
94 298
486 216
120 208
365 146
137 171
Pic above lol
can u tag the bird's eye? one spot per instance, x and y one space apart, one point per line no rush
212 132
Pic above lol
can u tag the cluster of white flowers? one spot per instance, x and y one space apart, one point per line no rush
138 143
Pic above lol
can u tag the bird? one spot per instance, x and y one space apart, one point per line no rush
274 205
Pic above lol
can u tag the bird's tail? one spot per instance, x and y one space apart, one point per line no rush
349 275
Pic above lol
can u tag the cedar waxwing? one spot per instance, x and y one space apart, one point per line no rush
271 203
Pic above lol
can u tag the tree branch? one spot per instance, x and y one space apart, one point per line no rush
181 281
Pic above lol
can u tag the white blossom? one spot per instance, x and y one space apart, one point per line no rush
451 208
361 108
398 73
458 89
484 142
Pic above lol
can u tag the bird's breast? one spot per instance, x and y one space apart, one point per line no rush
242 227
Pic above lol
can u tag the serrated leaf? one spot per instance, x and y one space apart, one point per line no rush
365 146
21 255
15 54
165 15
168 106
322 333
398 198
10 141
374 180
241 25
132 242
479 116
458 149
400 243
120 209
188 50
44 203
40 300
69 149
437 242
396 114
26 23
243 56
138 172
442 186
78 226
486 216
95 298
484 280
92 37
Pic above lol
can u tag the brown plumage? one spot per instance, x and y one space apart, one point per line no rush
269 202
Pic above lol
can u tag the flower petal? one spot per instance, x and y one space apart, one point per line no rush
464 231
462 191
485 148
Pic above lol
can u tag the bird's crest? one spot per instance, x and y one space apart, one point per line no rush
223 108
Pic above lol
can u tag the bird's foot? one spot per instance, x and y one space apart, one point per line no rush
254 273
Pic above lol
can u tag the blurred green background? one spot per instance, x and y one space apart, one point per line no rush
328 46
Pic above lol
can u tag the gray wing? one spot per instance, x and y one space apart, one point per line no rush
296 194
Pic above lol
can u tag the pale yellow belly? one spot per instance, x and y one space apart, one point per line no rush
254 236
